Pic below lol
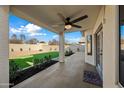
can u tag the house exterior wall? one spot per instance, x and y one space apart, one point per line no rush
4 63
110 47
89 58
108 17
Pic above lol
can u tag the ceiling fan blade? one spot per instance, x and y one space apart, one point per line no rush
62 17
77 26
79 19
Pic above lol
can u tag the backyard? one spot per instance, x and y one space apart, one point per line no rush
26 61
32 49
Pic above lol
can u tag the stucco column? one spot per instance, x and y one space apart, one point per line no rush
4 47
61 47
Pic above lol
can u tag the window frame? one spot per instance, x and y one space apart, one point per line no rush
119 49
89 53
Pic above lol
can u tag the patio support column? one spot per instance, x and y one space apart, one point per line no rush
4 47
61 47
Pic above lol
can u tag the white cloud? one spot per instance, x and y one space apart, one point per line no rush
13 30
56 37
73 40
69 39
30 29
38 34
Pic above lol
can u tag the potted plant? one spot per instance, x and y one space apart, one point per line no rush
66 53
78 49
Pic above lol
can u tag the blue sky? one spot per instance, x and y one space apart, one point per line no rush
122 31
20 26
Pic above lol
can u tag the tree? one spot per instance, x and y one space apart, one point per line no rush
32 41
67 42
22 37
42 42
53 42
15 40
14 37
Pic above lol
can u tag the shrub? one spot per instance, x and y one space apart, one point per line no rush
66 53
13 68
46 58
69 52
50 57
36 63
78 49
41 60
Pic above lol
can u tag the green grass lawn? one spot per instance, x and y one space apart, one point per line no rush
26 61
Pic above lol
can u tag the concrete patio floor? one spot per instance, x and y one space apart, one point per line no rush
61 75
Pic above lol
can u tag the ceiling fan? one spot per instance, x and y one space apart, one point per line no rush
69 23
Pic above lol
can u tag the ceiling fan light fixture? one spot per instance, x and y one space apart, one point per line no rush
68 26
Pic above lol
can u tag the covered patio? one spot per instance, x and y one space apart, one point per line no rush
53 18
69 71
62 75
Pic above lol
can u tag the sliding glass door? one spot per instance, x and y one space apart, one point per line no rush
99 52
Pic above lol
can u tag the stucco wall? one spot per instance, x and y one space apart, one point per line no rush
108 16
4 63
75 48
28 49
89 58
110 47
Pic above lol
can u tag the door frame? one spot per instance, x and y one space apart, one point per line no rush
100 28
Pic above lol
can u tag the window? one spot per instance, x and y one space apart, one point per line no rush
121 43
89 44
